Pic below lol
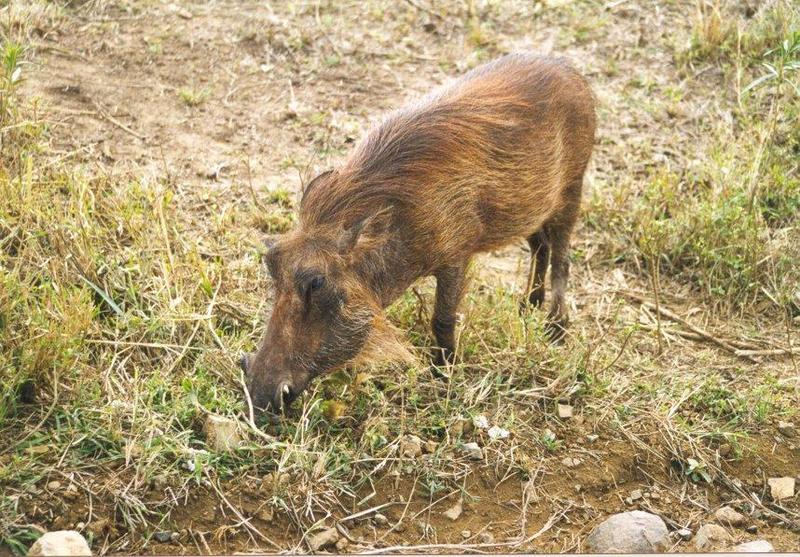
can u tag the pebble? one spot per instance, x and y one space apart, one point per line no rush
410 446
636 494
571 462
380 519
461 427
54 485
325 538
752 529
629 532
222 434
455 511
486 537
473 451
564 411
725 449
591 438
684 533
481 422
430 446
727 516
266 514
787 429
757 546
68 543
709 535
163 536
466 534
781 488
342 544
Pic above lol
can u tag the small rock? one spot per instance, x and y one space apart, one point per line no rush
725 449
222 434
496 432
710 535
636 494
163 536
54 485
787 429
564 411
684 533
486 537
629 532
410 446
62 542
430 446
71 492
729 517
266 514
752 529
757 546
781 488
571 462
466 534
473 451
380 519
323 539
341 544
481 422
461 427
591 438
97 527
455 511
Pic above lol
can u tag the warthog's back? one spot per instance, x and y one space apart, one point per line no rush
476 163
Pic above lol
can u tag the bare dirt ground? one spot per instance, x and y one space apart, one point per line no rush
234 100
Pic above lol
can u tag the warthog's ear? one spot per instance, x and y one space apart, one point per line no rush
366 233
321 178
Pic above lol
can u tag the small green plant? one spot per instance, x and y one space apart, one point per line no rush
697 471
785 60
194 97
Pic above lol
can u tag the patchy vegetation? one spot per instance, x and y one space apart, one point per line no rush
130 280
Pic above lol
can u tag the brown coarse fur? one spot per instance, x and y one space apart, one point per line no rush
496 156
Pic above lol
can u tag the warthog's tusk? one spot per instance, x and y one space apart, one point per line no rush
286 389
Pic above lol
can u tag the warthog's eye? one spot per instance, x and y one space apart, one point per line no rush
317 283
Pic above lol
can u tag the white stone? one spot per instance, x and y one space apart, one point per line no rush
729 517
68 543
481 422
781 488
323 539
757 546
410 446
455 511
222 434
564 411
709 535
473 451
629 532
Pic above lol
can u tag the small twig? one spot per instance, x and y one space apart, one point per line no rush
106 116
702 332
368 511
773 352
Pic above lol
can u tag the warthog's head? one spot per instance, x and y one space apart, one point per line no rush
325 310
